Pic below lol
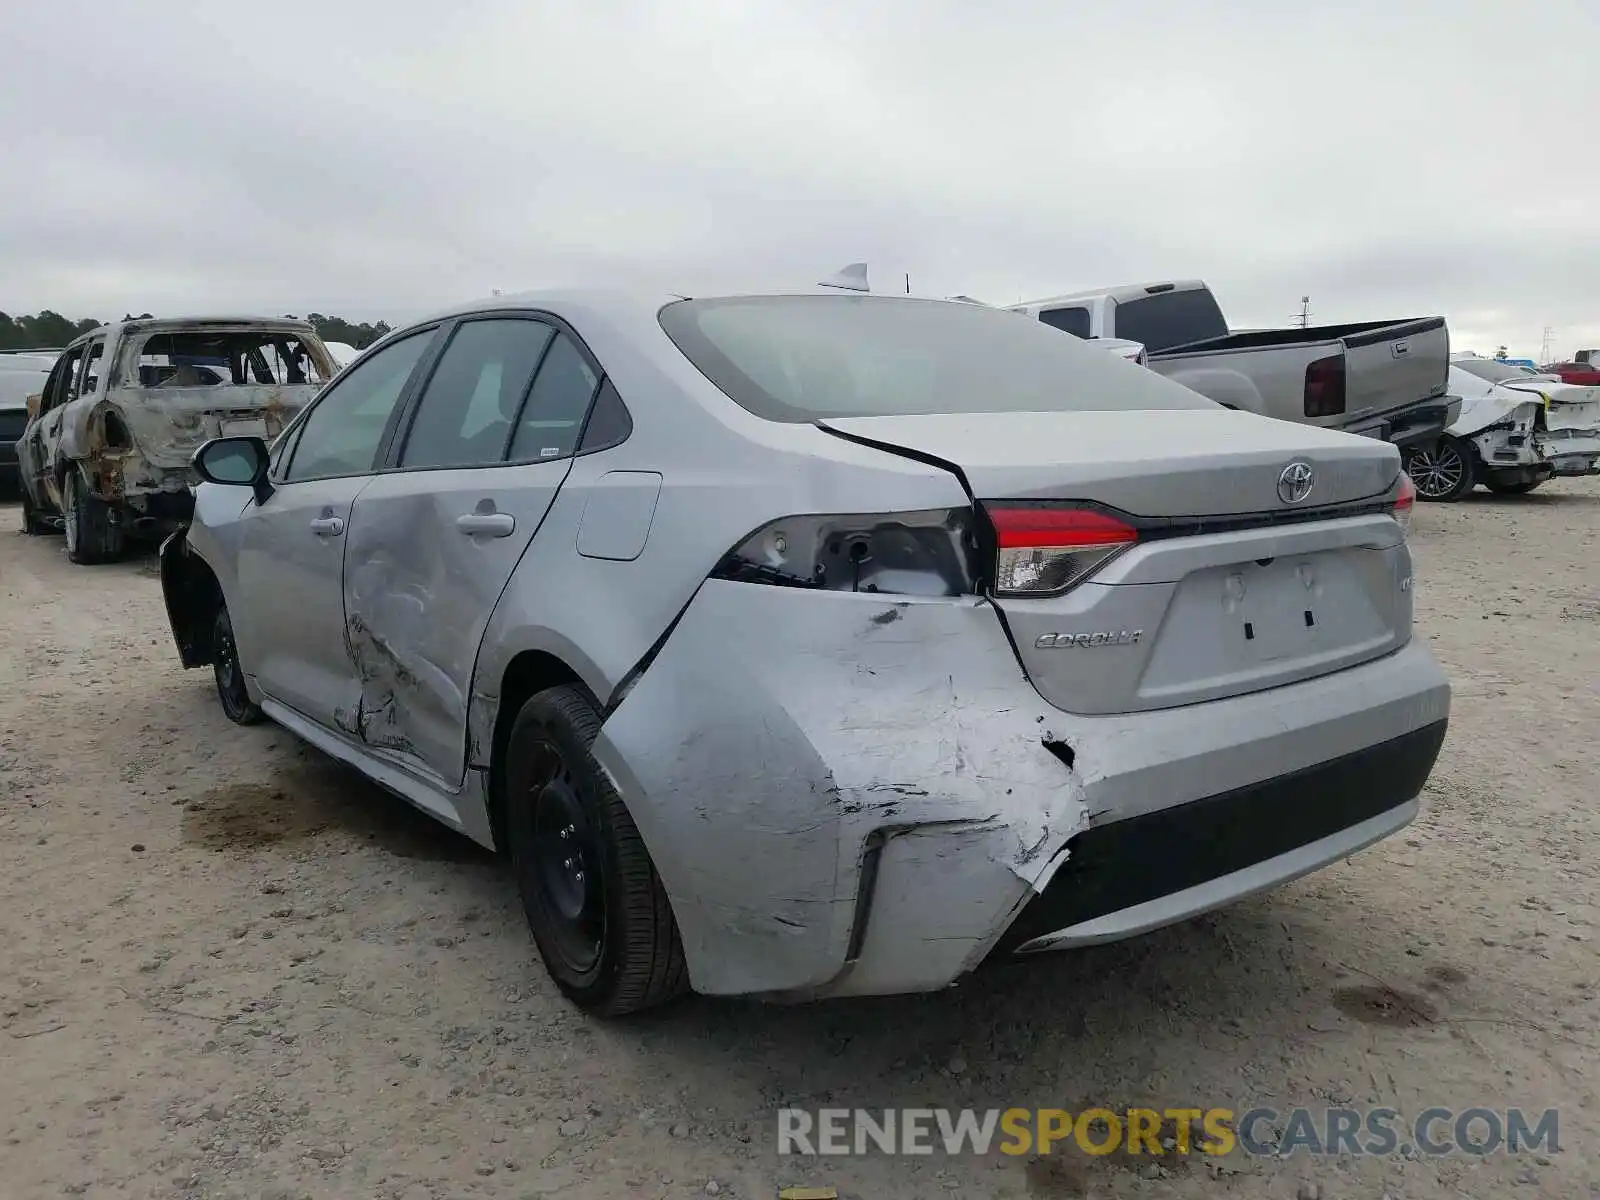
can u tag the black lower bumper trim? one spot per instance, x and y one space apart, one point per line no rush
1115 866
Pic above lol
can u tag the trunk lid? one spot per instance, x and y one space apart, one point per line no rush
169 423
1228 589
1190 462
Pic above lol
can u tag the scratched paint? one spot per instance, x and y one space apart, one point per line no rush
757 790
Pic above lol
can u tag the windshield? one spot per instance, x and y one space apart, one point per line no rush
1491 371
802 358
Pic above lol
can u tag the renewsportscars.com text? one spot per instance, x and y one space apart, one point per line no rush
1214 1132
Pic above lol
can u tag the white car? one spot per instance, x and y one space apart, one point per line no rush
1517 428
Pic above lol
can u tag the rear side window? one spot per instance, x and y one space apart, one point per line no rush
553 417
802 358
1069 320
91 368
467 409
1170 319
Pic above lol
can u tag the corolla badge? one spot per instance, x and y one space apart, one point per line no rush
1294 482
1085 641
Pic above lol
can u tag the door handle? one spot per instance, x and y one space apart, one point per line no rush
489 524
328 526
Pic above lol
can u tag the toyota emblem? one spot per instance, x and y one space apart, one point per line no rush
1294 482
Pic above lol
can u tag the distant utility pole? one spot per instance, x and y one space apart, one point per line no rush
1304 318
1545 351
908 283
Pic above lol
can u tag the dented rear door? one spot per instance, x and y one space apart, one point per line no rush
434 540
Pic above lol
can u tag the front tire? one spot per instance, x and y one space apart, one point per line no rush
1444 472
231 691
594 902
91 537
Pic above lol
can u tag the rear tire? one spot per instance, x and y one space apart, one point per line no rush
1516 487
225 666
91 537
1443 473
599 915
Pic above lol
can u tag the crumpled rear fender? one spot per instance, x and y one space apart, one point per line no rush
809 768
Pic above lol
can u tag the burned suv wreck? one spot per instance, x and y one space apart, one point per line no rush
106 456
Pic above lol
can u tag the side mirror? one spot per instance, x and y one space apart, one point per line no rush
33 402
235 462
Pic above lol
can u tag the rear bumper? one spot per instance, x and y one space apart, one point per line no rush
848 795
157 514
1571 451
1135 875
1414 427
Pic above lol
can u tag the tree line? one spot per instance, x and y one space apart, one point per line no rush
47 330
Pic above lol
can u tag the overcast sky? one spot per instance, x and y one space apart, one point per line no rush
379 158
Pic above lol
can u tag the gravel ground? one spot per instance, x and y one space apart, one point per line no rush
230 968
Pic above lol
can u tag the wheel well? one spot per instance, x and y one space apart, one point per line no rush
528 674
193 597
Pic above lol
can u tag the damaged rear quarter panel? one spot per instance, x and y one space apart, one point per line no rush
779 727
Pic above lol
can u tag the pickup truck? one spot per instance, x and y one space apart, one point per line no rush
1384 379
105 453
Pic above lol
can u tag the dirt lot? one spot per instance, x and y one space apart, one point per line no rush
230 968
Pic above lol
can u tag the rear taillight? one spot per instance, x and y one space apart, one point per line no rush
1325 386
1405 502
1041 550
924 553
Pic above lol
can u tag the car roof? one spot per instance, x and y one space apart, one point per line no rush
1122 292
159 324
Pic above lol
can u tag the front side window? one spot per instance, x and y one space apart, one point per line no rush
63 380
804 358
467 409
342 432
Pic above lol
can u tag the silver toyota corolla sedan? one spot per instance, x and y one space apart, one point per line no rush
820 644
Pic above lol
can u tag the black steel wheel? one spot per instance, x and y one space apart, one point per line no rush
597 909
231 691
1443 472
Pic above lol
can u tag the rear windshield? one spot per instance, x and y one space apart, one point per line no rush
1170 319
1491 371
236 357
802 358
